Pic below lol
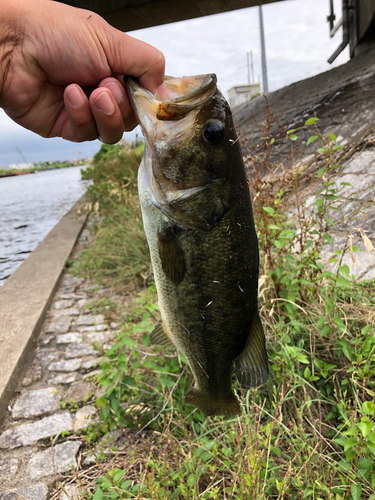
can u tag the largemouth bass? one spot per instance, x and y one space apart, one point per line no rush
200 230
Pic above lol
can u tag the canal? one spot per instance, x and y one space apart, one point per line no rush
30 206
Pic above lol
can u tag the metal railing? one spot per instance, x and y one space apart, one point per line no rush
333 28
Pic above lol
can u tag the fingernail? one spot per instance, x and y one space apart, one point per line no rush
75 97
104 103
116 90
163 91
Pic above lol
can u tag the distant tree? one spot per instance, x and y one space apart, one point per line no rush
106 151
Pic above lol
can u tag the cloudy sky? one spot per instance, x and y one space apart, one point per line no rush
297 45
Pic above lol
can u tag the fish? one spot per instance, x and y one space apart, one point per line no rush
199 224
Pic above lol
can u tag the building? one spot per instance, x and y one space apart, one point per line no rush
20 166
242 93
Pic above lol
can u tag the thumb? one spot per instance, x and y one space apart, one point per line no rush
129 56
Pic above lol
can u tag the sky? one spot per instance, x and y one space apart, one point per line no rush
297 47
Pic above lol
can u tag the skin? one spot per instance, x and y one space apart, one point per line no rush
61 71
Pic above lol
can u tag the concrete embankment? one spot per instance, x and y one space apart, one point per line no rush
53 402
54 396
26 296
344 101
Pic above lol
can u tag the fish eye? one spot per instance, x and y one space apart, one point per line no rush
214 131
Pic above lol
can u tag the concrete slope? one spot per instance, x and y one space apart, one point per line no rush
26 296
344 101
342 98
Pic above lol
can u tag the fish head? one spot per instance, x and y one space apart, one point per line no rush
191 148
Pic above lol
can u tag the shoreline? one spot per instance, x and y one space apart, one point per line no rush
21 172
14 173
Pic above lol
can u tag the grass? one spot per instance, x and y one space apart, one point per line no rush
310 431
118 256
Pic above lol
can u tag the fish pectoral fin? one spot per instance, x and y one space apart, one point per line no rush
251 366
171 255
228 407
159 336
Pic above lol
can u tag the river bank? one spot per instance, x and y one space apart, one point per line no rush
146 442
15 173
309 432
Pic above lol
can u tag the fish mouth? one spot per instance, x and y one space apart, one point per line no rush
160 119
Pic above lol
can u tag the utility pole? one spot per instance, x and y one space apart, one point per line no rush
248 68
252 65
263 49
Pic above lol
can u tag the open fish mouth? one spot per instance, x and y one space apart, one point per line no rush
158 117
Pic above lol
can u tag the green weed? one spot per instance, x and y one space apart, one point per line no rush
70 404
118 255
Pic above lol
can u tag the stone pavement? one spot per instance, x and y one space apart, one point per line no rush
39 438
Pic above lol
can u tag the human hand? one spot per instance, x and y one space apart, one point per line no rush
61 71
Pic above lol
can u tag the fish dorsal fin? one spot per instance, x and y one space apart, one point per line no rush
251 366
171 255
159 336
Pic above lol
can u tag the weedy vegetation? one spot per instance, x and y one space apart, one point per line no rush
119 254
309 433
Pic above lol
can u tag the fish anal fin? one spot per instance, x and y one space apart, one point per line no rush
171 255
251 366
159 336
228 407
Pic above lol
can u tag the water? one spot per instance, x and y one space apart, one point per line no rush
30 206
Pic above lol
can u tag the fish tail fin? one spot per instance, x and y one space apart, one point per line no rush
251 366
227 407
